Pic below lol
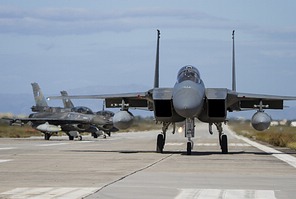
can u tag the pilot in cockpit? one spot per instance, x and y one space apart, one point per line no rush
188 73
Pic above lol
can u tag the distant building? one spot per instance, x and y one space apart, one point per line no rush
283 122
293 123
274 123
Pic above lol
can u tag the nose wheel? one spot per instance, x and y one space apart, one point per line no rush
189 147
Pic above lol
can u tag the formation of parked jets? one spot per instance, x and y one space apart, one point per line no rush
70 119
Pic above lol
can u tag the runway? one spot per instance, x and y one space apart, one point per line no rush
125 165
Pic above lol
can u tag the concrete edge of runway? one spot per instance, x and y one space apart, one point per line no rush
291 160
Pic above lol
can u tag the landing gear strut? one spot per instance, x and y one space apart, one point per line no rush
47 136
161 138
189 133
222 138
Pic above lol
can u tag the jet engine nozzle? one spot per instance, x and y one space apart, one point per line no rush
123 119
261 121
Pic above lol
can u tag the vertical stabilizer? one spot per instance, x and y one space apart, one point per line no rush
67 102
38 96
233 64
156 77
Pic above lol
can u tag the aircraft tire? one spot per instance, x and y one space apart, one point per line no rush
224 144
160 143
71 137
189 148
47 136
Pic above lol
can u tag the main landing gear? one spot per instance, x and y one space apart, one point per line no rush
47 136
222 137
74 134
189 133
161 137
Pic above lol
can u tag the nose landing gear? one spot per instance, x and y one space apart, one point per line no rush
189 133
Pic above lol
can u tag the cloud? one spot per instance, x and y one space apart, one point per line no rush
63 21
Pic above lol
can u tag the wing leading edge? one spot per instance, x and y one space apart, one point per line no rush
137 99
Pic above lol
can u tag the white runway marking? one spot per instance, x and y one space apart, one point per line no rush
174 144
52 144
49 192
291 160
86 141
215 144
7 148
225 194
208 144
238 144
1 161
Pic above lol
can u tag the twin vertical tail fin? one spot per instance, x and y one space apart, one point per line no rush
67 102
156 77
233 64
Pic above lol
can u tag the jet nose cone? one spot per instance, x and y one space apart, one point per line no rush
188 99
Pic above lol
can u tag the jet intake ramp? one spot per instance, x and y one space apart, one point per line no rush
216 100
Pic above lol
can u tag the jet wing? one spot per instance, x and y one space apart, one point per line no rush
266 97
49 120
236 101
247 101
136 100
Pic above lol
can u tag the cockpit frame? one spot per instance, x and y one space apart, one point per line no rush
188 73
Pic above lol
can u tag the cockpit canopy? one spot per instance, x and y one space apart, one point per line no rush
82 109
188 73
105 113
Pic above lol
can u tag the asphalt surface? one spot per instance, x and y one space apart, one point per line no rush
126 166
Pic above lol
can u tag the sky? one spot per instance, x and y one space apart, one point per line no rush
74 44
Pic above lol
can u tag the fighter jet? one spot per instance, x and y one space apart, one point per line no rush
72 120
105 114
189 99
